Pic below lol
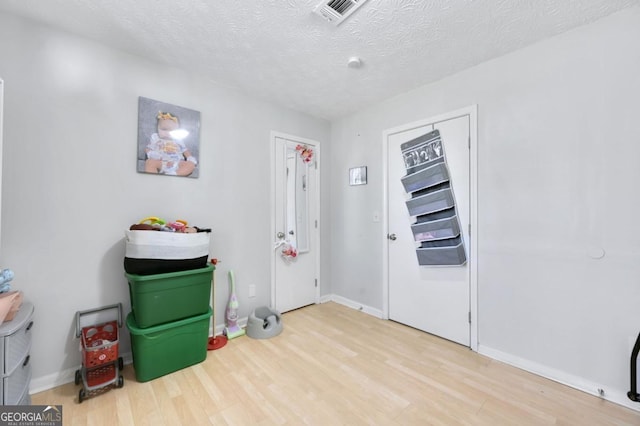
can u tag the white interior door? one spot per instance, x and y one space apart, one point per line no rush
435 299
295 230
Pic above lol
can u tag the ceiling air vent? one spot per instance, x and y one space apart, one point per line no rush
336 11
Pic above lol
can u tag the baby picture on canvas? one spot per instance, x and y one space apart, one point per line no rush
168 139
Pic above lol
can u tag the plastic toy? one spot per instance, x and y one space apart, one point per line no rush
101 363
232 330
215 342
264 323
151 223
179 225
154 223
153 220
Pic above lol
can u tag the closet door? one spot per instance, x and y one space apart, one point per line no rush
429 275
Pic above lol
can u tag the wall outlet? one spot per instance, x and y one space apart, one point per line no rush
252 290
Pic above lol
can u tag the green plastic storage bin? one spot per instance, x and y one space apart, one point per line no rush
169 347
162 298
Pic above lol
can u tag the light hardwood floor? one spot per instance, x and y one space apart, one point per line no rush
336 366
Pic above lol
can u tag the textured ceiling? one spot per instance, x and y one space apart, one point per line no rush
278 50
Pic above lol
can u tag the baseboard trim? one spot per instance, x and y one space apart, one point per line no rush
41 384
352 304
50 381
615 396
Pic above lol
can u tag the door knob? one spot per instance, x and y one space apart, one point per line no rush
291 232
280 235
392 237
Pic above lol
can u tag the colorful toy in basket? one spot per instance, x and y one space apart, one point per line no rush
153 223
179 248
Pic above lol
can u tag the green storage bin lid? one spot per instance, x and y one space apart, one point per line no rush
134 277
134 329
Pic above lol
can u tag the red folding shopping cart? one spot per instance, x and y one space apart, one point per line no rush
101 364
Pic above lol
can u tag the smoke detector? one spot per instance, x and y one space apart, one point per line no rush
336 11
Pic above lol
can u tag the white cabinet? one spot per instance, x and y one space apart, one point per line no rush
15 345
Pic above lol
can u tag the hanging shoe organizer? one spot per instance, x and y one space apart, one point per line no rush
437 227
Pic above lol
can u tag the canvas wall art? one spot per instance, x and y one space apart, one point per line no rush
168 139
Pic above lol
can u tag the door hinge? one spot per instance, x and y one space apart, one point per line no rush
469 317
316 223
316 282
469 141
469 229
315 163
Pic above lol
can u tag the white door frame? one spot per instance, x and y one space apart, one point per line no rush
272 240
472 112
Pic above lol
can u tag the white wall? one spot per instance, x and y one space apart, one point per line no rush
558 182
70 186
558 148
